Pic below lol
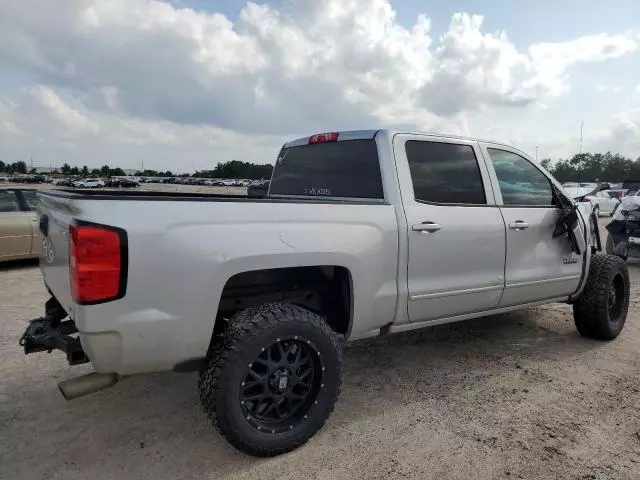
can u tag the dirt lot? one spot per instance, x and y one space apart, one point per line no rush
520 395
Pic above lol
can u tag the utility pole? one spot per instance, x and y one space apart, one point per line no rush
581 125
537 147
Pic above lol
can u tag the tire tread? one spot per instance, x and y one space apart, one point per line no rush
590 311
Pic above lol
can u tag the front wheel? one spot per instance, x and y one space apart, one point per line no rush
272 378
601 310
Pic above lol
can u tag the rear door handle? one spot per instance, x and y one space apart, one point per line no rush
518 225
426 227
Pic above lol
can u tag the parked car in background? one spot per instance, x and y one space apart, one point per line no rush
89 183
19 237
258 189
606 202
63 182
590 192
617 193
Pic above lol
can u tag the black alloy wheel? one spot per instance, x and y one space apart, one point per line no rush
282 385
616 297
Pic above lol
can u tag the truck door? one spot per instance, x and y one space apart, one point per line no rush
538 266
456 234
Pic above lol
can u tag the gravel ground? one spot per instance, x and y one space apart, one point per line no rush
520 395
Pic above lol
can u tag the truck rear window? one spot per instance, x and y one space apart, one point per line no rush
348 168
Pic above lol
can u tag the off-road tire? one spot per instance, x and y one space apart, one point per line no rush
246 334
593 313
608 248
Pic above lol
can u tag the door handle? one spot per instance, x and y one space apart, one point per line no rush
426 227
518 225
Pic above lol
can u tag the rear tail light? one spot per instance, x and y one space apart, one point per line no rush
323 137
97 262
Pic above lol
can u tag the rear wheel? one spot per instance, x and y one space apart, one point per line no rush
272 378
601 310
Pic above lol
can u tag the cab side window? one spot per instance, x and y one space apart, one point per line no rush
8 202
521 183
31 198
445 173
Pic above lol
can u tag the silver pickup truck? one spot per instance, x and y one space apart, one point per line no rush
361 233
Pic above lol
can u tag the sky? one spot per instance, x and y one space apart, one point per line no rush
185 84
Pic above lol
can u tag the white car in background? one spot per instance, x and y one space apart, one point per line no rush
602 202
89 183
606 202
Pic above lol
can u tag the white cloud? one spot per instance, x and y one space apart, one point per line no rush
149 72
37 123
72 119
623 133
608 88
551 61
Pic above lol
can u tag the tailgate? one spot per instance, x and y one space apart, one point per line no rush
54 216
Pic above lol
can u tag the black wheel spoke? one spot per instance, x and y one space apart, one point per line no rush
298 352
255 378
304 361
279 412
254 397
272 406
270 361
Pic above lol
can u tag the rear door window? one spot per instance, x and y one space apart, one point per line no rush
445 173
342 169
8 202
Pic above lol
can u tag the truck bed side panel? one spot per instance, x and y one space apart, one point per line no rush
182 253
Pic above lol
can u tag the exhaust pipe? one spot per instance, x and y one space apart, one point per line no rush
85 384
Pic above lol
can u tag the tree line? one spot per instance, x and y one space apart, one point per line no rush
237 169
594 167
66 169
104 171
231 169
582 167
17 167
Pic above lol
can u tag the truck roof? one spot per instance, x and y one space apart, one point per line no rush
371 133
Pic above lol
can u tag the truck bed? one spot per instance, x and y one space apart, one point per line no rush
138 195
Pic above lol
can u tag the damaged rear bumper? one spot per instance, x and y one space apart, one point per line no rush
50 333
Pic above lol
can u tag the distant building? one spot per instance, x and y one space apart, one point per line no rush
42 169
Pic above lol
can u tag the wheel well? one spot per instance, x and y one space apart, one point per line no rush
326 290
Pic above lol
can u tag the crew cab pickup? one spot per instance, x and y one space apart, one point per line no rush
361 233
